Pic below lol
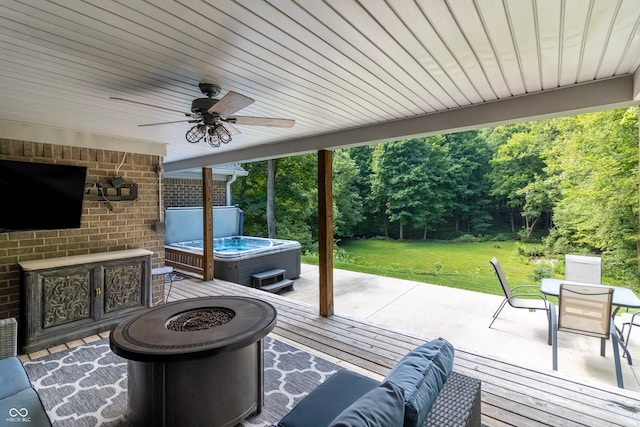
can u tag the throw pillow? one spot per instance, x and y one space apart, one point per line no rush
420 375
381 407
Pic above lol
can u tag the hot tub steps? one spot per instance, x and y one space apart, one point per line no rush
271 281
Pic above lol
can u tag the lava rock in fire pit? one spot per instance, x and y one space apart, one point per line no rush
200 320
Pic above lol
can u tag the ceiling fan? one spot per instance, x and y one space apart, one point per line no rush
214 118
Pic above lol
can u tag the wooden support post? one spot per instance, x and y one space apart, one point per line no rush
325 232
207 223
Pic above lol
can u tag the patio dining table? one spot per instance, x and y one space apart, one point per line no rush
622 297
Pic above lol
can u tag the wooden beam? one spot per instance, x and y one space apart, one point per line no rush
207 223
54 135
325 232
598 95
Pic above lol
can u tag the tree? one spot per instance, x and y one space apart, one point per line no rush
596 159
249 194
517 163
538 199
294 201
374 220
272 167
347 202
409 181
468 179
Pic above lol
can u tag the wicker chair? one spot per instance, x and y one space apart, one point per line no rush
8 338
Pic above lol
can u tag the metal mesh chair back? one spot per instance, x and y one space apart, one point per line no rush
585 269
501 278
585 310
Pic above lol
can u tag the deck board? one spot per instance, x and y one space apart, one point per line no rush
511 395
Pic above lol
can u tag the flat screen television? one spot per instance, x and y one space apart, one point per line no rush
40 196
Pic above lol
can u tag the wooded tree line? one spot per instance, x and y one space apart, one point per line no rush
570 181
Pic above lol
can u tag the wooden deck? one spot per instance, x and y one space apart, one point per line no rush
511 395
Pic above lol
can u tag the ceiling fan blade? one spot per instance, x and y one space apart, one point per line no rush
231 129
166 123
115 98
260 121
230 103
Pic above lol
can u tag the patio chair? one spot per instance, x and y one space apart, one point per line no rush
585 269
633 321
515 298
586 310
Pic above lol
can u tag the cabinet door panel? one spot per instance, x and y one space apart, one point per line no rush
123 286
66 297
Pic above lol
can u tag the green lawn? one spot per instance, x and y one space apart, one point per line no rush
458 265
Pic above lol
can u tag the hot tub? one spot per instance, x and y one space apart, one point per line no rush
236 258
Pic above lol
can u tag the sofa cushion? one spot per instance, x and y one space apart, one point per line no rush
12 377
381 407
328 400
24 409
420 375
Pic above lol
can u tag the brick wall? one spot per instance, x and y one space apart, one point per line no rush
130 225
180 192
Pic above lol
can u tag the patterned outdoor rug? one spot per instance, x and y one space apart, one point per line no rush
87 385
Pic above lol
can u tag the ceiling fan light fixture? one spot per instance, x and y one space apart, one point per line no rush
196 133
217 134
223 134
212 138
209 114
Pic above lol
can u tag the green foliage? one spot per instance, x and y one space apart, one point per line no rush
570 183
348 203
542 270
410 182
295 199
458 265
467 238
452 264
468 181
518 174
437 268
530 250
341 254
595 164
555 244
501 237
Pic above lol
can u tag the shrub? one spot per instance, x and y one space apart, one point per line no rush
340 254
557 244
501 237
541 271
437 268
530 250
467 238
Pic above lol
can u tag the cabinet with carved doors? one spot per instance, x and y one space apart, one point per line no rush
69 298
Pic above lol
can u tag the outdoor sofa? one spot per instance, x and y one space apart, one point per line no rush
19 402
421 390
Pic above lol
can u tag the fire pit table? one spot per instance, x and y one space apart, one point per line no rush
197 362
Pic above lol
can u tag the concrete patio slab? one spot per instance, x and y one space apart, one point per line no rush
463 317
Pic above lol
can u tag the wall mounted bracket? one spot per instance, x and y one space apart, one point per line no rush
103 191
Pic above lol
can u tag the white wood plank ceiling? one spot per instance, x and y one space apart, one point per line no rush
347 71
